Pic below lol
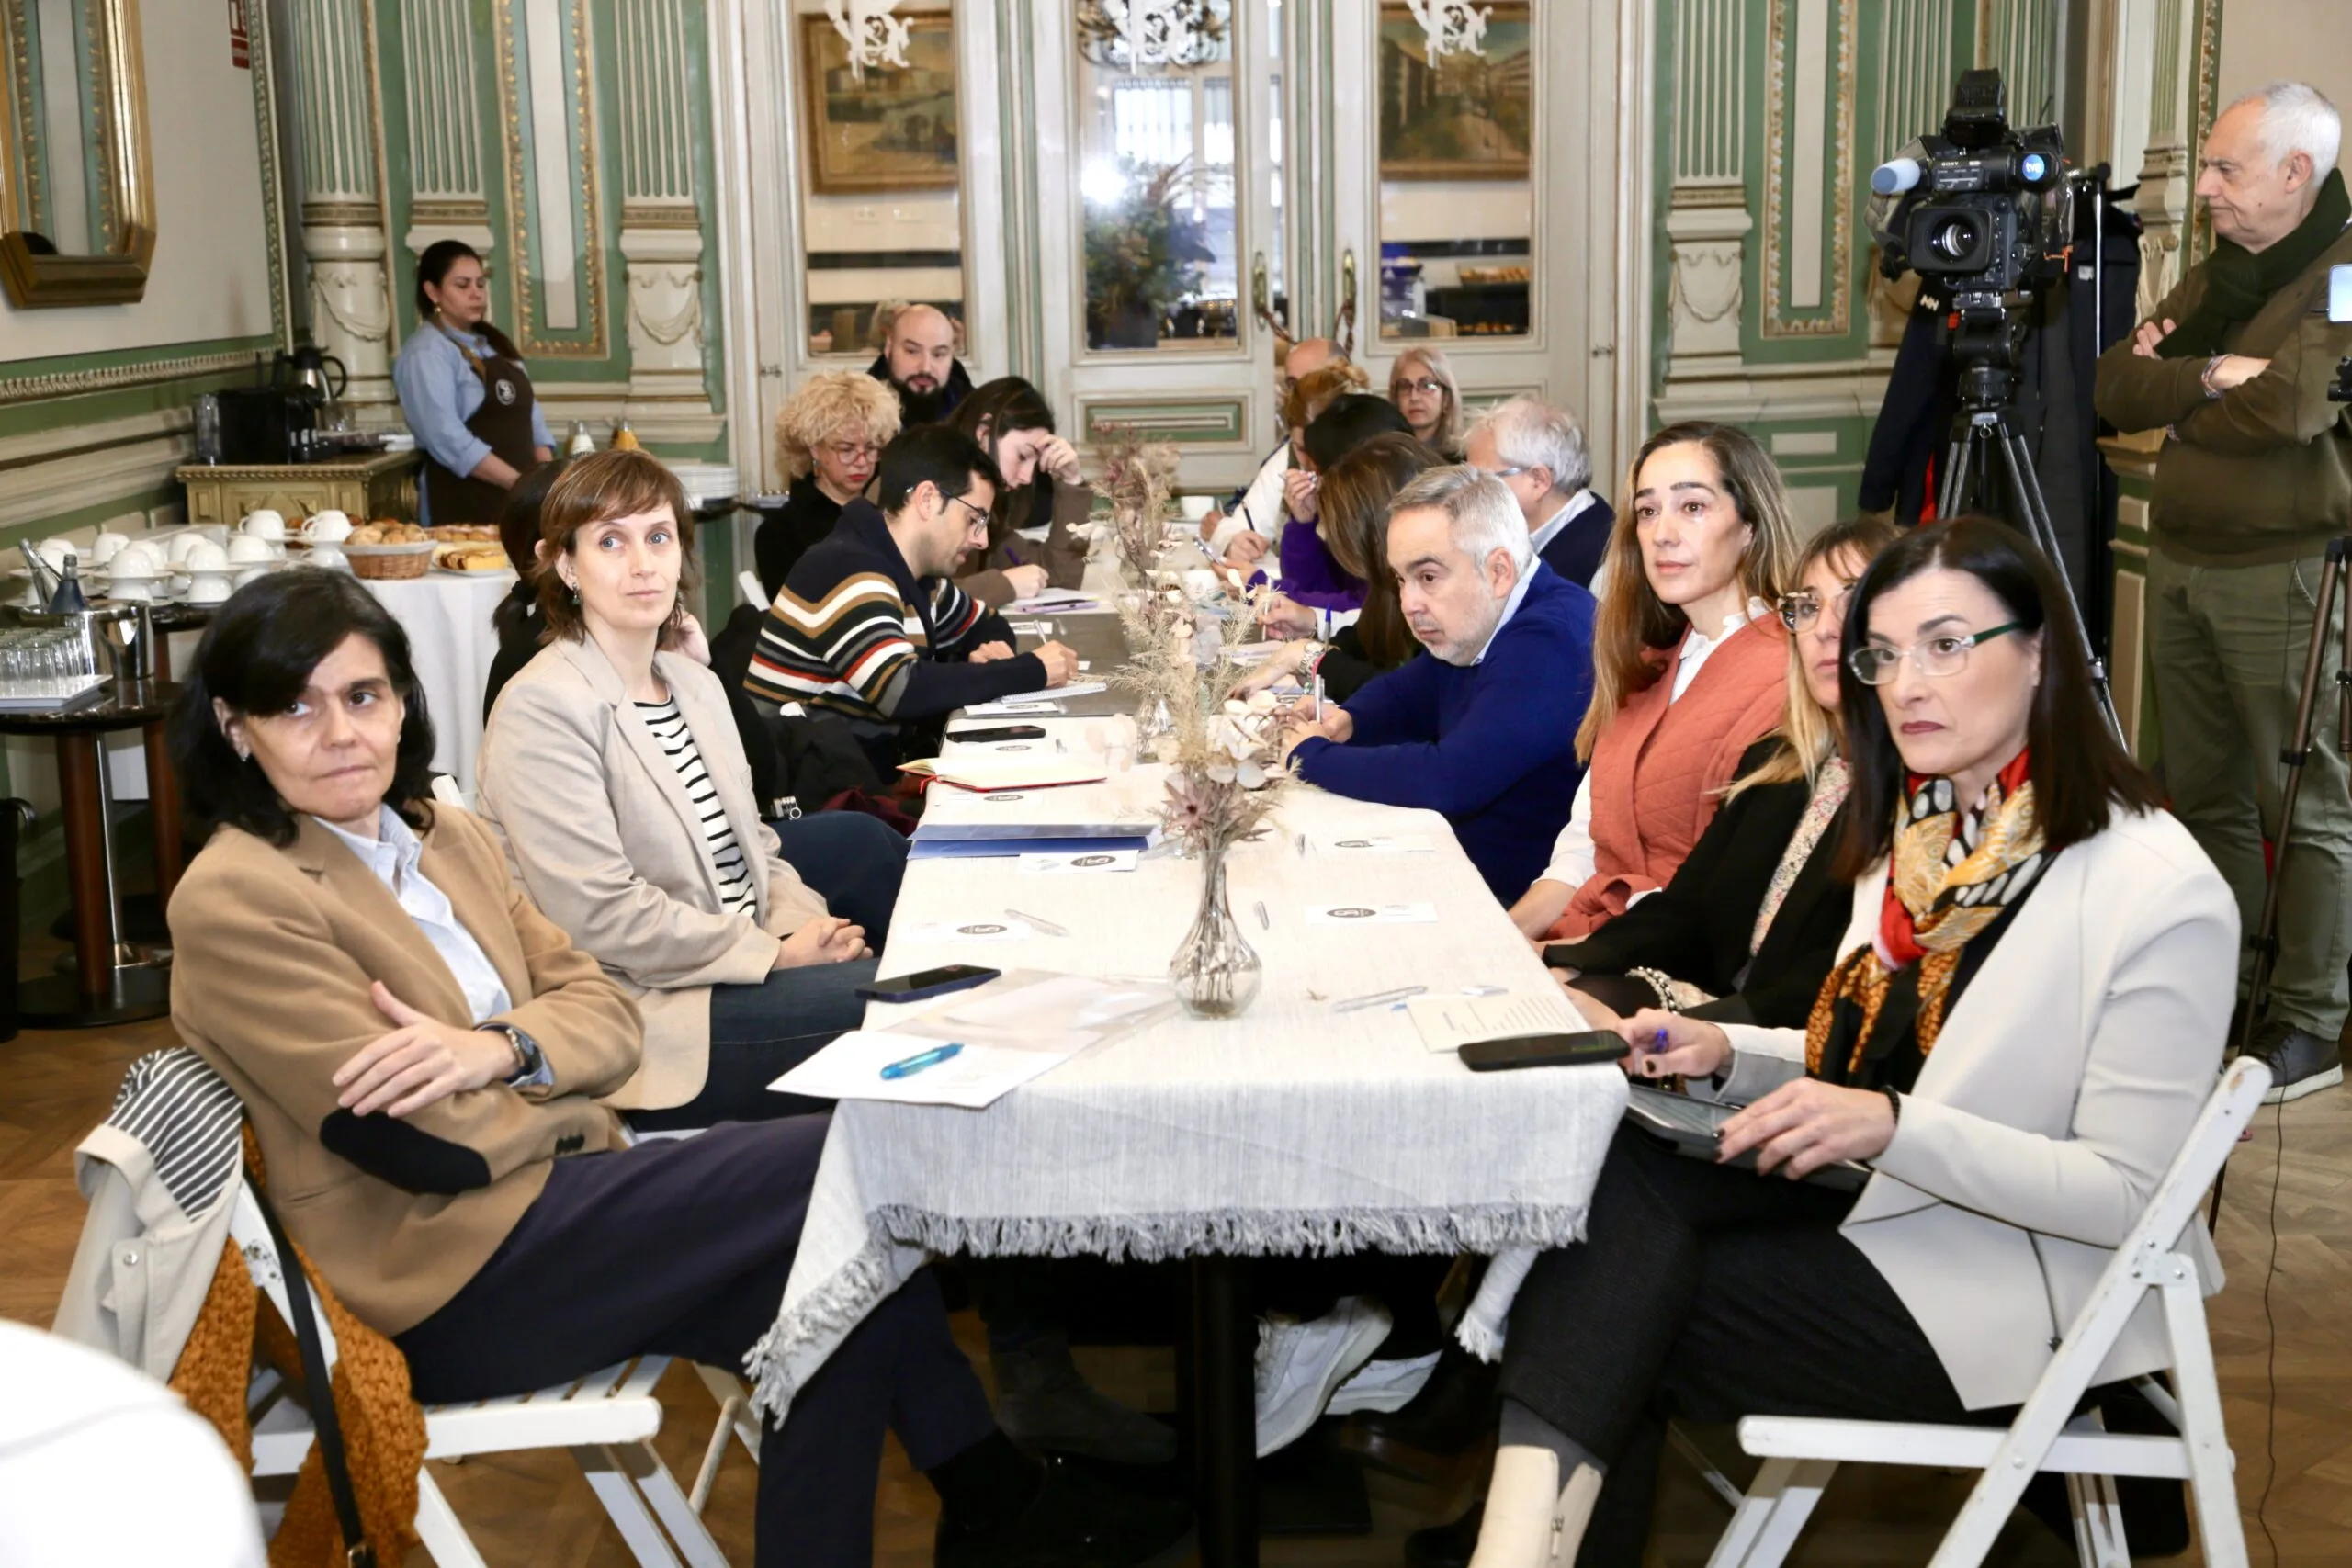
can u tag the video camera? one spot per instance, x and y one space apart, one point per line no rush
1981 210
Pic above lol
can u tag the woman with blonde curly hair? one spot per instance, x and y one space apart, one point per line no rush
829 435
1422 386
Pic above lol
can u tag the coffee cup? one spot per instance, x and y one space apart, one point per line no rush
246 550
327 527
263 524
134 563
55 552
176 547
204 556
251 572
208 588
105 546
131 590
329 556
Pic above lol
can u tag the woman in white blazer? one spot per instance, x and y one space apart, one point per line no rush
613 772
2027 1014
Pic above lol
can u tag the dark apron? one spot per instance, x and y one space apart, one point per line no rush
505 421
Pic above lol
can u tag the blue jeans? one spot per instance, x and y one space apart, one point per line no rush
760 1033
854 861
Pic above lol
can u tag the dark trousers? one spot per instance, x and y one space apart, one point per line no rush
1710 1293
760 1033
682 1248
854 861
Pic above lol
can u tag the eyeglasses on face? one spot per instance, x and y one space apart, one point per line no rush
1802 608
850 451
980 516
1936 657
1425 386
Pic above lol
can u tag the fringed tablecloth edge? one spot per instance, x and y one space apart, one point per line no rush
834 1308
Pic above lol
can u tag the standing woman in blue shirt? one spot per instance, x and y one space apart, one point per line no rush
464 393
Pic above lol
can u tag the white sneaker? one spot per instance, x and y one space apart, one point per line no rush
1300 1364
1383 1385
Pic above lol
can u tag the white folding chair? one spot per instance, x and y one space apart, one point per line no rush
607 1420
446 791
746 583
1801 1454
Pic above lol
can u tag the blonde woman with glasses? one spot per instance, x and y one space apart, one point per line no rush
829 436
1422 386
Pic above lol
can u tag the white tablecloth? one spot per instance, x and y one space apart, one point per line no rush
1292 1129
446 616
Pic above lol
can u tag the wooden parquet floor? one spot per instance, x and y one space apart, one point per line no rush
535 1509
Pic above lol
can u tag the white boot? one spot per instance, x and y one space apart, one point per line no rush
1531 1520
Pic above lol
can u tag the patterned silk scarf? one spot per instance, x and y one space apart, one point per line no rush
1954 874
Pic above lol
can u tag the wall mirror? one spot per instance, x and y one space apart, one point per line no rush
77 199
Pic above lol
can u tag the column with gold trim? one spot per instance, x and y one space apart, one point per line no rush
1707 220
342 221
661 226
445 145
2167 173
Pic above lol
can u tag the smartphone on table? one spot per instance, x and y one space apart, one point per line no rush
1000 732
1588 1048
928 983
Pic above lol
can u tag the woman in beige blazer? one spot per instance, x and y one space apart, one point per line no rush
614 773
2028 1015
421 1053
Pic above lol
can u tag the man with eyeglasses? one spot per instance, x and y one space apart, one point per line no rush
1252 524
1538 452
2253 477
871 626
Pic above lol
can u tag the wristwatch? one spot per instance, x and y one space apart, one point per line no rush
531 1062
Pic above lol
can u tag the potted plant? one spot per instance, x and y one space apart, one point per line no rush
1143 254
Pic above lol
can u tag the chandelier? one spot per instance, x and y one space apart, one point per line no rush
1149 35
1451 26
875 37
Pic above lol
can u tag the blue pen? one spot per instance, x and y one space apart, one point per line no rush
912 1065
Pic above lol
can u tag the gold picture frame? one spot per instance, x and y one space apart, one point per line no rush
34 279
896 127
1468 116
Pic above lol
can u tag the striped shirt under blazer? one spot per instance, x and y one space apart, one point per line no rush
601 832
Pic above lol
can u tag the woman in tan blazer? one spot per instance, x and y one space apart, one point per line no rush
613 772
2025 1018
420 1053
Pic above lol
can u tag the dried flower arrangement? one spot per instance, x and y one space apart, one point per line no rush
1225 753
1140 481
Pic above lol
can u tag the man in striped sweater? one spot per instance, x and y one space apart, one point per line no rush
870 625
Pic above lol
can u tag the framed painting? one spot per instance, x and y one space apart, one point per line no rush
1459 115
892 128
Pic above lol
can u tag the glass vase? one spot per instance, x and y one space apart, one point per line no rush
1215 971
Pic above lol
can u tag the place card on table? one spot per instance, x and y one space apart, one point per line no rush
1084 861
964 931
1007 708
1370 914
1047 694
972 1077
1377 843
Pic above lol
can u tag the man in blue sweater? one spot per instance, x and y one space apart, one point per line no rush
1483 726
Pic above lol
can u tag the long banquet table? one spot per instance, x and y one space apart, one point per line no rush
1292 1129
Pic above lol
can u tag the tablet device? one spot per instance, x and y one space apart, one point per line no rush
1689 1126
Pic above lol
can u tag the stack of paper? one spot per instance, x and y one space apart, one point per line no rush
976 770
1006 1033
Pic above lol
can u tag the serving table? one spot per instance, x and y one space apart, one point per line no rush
1293 1129
110 983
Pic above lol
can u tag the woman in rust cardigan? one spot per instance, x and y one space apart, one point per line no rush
419 1052
1688 665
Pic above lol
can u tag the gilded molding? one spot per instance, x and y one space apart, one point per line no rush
444 128
2209 70
115 378
519 213
263 45
20 74
1840 206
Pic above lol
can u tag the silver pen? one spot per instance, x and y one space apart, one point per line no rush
1047 926
1264 923
1354 1004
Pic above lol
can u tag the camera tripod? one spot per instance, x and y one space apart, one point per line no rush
1989 460
2264 943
